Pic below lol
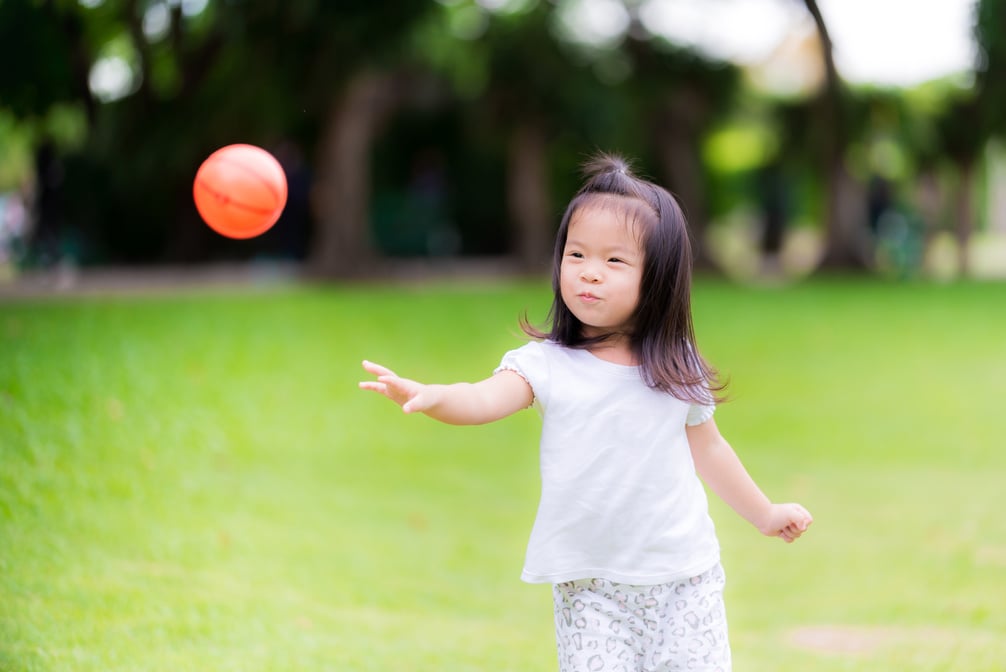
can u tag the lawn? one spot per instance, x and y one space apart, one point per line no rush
194 481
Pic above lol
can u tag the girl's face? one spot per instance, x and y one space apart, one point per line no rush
602 266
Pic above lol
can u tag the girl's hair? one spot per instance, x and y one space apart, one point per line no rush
662 338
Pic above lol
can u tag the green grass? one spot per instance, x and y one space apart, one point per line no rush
194 482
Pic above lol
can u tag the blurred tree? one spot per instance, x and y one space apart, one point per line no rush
973 117
990 70
32 89
515 82
524 84
963 136
57 72
682 96
843 202
164 83
556 97
158 84
362 44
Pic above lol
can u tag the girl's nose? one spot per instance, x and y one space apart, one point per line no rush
592 277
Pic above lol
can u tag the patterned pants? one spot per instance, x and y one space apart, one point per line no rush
603 626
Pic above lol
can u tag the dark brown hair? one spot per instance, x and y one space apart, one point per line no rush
662 338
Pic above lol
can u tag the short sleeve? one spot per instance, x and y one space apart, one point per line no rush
530 363
699 413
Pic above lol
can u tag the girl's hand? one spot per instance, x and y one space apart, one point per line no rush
787 521
498 396
413 397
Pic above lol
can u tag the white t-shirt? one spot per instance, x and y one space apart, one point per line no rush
620 499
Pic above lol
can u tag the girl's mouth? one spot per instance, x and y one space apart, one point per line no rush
588 297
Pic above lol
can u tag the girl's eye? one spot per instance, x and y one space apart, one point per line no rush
615 260
578 255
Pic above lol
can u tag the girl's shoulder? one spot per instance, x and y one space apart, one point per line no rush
541 346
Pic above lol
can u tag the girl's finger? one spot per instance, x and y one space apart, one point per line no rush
376 387
394 385
377 369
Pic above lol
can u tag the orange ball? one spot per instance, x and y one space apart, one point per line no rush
240 191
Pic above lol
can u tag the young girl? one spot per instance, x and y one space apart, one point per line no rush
623 531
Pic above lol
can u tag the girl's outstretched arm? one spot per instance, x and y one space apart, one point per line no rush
459 404
721 469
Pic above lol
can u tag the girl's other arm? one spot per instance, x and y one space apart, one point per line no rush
721 469
459 404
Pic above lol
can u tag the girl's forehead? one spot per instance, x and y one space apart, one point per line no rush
606 220
626 208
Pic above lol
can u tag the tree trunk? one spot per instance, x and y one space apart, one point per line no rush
929 202
847 242
341 244
965 216
528 196
843 218
679 154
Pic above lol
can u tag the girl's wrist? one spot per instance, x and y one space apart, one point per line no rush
762 519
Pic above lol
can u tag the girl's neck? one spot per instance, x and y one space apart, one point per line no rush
615 349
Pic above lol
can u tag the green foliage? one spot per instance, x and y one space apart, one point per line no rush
990 19
978 112
250 71
740 147
192 482
16 160
38 59
270 72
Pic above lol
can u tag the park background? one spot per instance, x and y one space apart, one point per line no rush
455 130
189 478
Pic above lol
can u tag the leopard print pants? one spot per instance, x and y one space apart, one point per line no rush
602 626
